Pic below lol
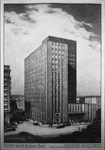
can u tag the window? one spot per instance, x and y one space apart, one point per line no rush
5 94
56 57
58 106
78 108
52 63
5 108
5 104
73 109
70 108
55 44
55 51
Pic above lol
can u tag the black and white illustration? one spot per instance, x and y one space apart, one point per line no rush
52 72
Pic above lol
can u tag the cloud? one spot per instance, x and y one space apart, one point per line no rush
18 19
87 24
24 32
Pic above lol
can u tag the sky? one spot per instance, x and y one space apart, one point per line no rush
27 25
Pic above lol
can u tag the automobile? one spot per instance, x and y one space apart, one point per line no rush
20 122
22 118
67 124
15 122
60 126
25 119
36 123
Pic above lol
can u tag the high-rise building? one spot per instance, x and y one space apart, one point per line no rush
7 93
50 80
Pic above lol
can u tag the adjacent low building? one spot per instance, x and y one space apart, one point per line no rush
82 112
91 105
90 112
76 113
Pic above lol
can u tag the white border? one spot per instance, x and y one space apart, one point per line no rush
102 2
2 78
103 75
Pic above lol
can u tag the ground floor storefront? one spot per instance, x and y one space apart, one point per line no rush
76 118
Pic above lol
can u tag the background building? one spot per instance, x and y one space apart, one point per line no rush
50 80
19 99
91 106
90 112
7 93
89 100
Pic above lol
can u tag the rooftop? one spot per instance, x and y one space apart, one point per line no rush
57 39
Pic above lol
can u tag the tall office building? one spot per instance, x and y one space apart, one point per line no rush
50 80
7 92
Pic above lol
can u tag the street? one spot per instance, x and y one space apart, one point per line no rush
45 131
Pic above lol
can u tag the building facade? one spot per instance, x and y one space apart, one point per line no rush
50 80
91 106
76 113
82 112
7 93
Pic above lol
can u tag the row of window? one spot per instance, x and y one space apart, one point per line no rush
57 53
56 105
35 79
35 85
5 104
39 116
5 99
35 95
71 55
55 44
75 108
5 107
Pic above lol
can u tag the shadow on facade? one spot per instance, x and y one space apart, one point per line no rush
27 109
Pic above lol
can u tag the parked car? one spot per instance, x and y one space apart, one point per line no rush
36 123
20 122
14 124
60 126
23 118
